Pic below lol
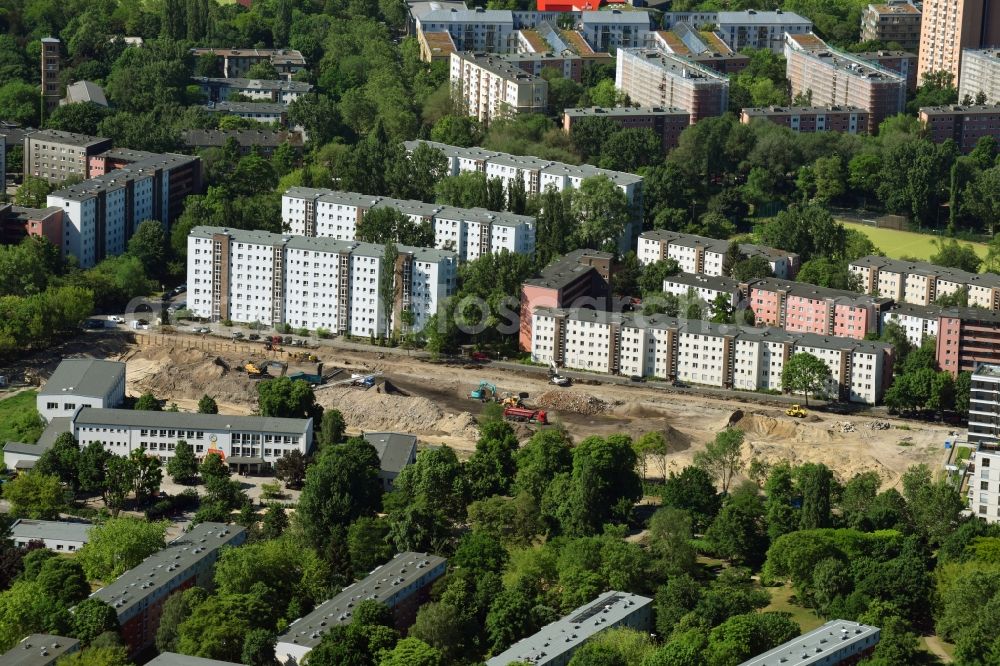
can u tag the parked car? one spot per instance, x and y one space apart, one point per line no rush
117 319
237 335
253 337
203 330
679 384
637 378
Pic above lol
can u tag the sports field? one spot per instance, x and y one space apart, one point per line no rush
896 244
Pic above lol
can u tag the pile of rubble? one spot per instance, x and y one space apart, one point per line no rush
878 425
844 426
567 401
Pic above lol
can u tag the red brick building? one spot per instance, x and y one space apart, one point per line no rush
666 123
17 222
849 119
965 124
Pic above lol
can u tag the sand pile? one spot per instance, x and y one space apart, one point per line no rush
368 410
758 425
566 401
188 373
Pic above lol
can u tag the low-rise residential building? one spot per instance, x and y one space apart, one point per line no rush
965 338
665 123
255 276
487 87
578 279
175 659
236 63
901 62
138 595
980 75
395 451
58 536
262 112
698 254
651 77
830 77
403 584
806 308
470 232
963 124
55 155
922 283
245 443
754 28
39 650
79 382
280 91
263 141
18 222
570 64
609 31
851 120
555 643
721 355
705 287
892 21
435 46
836 643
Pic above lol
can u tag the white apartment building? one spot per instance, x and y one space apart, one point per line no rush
917 321
58 536
81 382
703 287
980 73
611 30
280 91
984 434
253 276
469 232
485 30
922 283
754 28
698 254
489 88
725 356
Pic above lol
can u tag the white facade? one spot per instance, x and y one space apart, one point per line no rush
922 283
80 383
984 433
917 326
754 28
698 254
487 30
58 536
490 88
609 31
980 73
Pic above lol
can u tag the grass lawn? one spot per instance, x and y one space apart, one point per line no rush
781 603
898 243
14 412
963 453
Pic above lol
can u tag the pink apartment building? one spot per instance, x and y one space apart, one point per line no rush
805 308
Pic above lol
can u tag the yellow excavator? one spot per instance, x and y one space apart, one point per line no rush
511 400
253 371
798 411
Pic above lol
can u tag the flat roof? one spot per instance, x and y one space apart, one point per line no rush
395 449
497 65
255 84
113 180
625 111
799 110
39 649
958 276
247 107
478 15
757 17
676 66
957 109
175 659
90 377
851 64
815 646
716 282
439 41
990 54
138 418
894 8
66 138
288 54
567 268
714 244
615 17
50 529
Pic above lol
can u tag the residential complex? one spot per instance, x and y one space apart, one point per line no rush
470 232
262 112
665 123
79 382
555 643
39 650
893 21
802 307
702 46
984 432
57 536
403 584
980 75
950 26
757 29
698 254
581 278
138 594
488 87
236 63
17 222
706 288
396 451
101 214
651 77
901 62
720 355
922 283
836 643
50 59
55 155
830 77
849 119
965 338
279 91
571 65
609 31
963 124
263 141
482 30
255 276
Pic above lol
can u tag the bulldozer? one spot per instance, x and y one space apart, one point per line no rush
485 393
798 411
511 400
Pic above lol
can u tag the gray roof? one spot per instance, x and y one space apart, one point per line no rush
256 84
395 449
956 109
625 111
925 268
714 244
677 66
201 138
273 108
21 447
88 377
755 17
806 290
572 631
39 650
380 585
136 418
57 426
566 269
86 91
66 138
799 110
936 311
175 659
455 15
50 529
157 572
816 646
499 66
615 16
118 178
716 282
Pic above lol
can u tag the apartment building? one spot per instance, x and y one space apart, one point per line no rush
980 74
706 288
698 254
262 112
101 214
700 352
836 643
893 21
606 32
138 594
984 434
837 78
480 30
964 124
403 584
39 650
18 222
665 123
236 63
569 64
901 62
254 276
922 283
435 46
702 46
183 173
965 338
58 536
488 87
55 155
50 62
949 27
578 279
81 382
262 141
278 91
651 77
801 307
470 232
850 120
757 29
555 643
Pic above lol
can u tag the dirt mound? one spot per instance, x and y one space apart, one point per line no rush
175 373
759 425
368 410
566 401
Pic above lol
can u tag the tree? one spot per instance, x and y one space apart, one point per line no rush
291 468
35 495
119 482
26 609
147 402
412 652
147 474
386 224
602 487
149 245
950 253
738 533
207 405
782 517
367 543
653 445
183 466
630 149
742 636
669 541
176 609
119 544
62 460
332 430
805 373
258 648
216 628
92 467
284 398
934 506
491 468
722 457
98 656
213 467
815 482
693 490
602 211
33 192
91 618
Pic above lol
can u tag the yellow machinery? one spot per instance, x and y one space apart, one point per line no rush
797 411
511 400
253 372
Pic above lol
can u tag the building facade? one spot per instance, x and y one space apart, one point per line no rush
753 28
901 62
949 26
488 87
653 78
850 120
396 451
481 30
17 222
703 47
980 75
606 32
798 307
922 283
963 124
81 382
54 155
50 73
253 276
965 338
236 63
263 141
836 643
262 112
57 536
698 254
278 91
984 434
572 65
893 21
665 123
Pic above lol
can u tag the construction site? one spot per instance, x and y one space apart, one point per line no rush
440 402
